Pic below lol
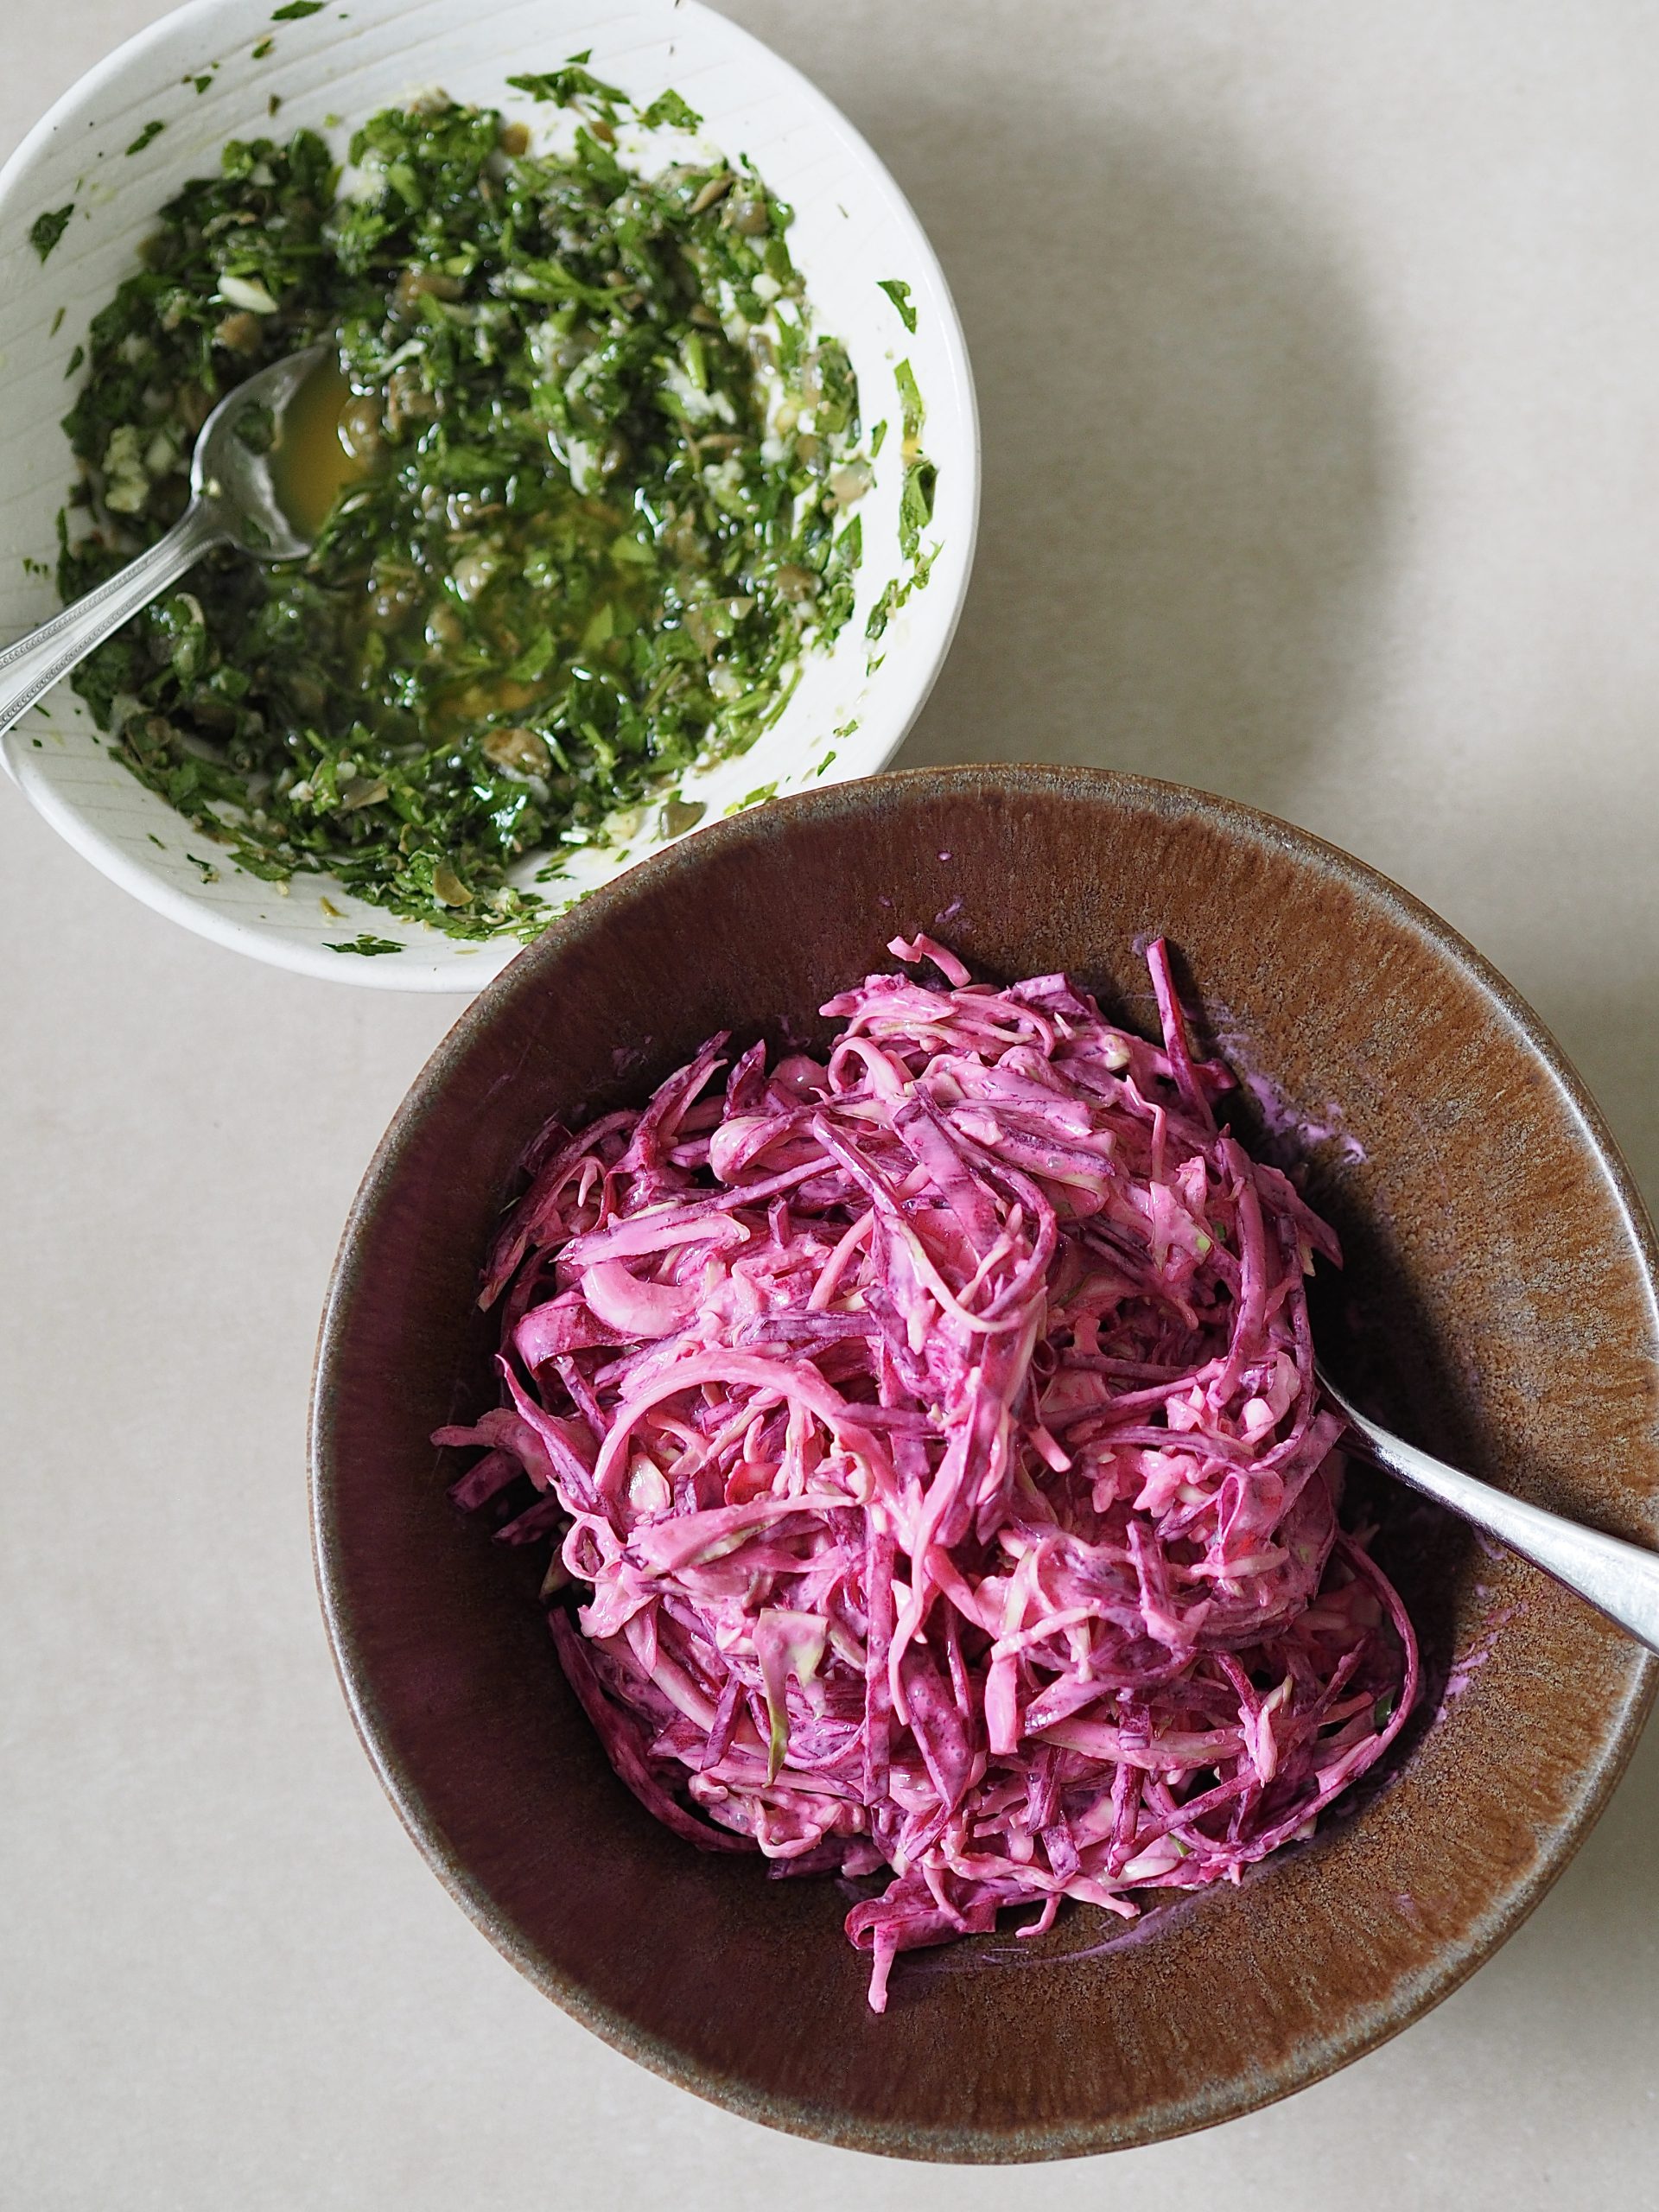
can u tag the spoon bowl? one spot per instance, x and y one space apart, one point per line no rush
235 499
236 468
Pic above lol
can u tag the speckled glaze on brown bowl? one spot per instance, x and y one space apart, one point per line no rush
1499 1300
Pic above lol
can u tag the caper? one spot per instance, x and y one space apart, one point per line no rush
716 188
389 600
414 283
521 750
238 332
195 407
472 572
359 427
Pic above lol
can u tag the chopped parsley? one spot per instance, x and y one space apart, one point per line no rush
759 796
607 467
670 112
915 501
297 11
898 293
153 129
895 595
370 948
46 230
574 86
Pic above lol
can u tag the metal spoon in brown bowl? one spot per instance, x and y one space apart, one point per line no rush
1619 1580
266 469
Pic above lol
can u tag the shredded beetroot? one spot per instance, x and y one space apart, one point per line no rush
935 1432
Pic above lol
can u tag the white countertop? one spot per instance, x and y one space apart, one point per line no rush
1318 347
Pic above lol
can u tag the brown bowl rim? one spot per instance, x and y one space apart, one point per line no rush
1314 2059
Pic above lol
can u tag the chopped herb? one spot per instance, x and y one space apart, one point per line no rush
825 762
209 872
668 111
759 796
878 437
256 428
370 947
74 360
273 103
57 324
265 46
201 83
46 230
910 398
579 560
916 506
153 129
574 86
894 595
155 840
898 293
297 11
915 501
33 567
882 612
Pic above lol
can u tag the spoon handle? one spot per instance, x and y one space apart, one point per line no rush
38 660
1619 1580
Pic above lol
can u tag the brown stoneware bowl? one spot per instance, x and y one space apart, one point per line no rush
1498 1307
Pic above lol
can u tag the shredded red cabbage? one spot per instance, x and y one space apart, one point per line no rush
934 1429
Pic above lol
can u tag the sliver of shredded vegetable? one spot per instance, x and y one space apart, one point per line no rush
930 1432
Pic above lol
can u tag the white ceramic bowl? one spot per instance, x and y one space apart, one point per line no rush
330 70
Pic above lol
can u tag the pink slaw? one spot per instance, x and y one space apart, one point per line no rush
932 1430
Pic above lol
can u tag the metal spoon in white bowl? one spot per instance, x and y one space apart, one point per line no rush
1619 1580
233 502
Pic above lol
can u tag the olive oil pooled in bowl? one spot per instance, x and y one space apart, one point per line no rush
328 444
